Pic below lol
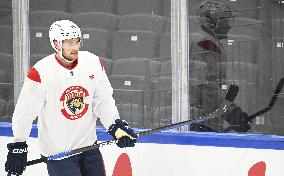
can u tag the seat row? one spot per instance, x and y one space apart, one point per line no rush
143 44
160 7
118 7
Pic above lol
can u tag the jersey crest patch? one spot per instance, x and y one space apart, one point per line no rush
73 101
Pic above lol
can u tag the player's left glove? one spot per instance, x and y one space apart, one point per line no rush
238 120
124 135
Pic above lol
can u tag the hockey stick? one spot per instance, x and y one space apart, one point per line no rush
230 97
272 101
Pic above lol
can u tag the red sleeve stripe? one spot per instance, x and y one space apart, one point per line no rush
102 63
34 75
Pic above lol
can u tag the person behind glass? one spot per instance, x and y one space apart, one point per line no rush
215 22
67 91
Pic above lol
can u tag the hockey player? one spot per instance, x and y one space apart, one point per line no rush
67 91
215 22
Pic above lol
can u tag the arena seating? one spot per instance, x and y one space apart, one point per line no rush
44 18
101 20
78 6
97 41
140 44
6 17
6 42
142 22
62 5
125 7
40 43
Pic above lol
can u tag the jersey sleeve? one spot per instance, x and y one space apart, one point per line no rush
28 107
103 103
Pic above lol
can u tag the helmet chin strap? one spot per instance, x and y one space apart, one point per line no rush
61 54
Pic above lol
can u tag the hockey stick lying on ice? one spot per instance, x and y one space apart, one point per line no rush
230 97
272 100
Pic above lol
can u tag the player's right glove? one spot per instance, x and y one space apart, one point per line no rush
124 135
16 158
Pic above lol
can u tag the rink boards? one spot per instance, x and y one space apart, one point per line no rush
175 154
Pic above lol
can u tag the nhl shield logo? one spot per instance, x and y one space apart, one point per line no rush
74 104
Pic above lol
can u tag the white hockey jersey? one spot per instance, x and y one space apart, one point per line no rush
67 102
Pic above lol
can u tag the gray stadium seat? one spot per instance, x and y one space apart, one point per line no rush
129 97
131 81
9 108
278 27
276 118
97 41
167 8
6 4
197 70
6 67
107 6
101 20
6 80
241 71
241 48
165 47
168 25
247 26
61 5
39 41
136 67
139 44
2 108
161 107
142 22
193 24
6 42
36 57
125 7
6 17
161 102
166 69
45 18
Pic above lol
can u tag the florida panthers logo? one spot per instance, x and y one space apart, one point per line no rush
74 104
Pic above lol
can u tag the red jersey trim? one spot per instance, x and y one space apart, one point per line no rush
74 64
34 75
102 63
209 45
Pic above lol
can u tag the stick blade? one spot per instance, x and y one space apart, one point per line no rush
232 93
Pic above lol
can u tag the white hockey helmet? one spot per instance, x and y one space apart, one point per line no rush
62 30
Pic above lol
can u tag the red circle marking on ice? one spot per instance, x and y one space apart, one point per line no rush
122 166
257 169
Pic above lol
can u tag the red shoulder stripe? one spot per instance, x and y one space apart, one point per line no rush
34 75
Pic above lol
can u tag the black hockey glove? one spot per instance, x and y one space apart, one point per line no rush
124 135
16 158
238 120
